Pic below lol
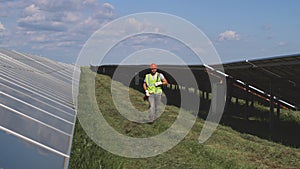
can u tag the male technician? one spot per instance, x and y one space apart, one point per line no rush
153 88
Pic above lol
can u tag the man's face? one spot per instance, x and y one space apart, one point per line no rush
153 71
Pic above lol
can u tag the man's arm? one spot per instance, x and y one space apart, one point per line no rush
145 86
163 79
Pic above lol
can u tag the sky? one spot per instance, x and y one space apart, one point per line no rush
238 30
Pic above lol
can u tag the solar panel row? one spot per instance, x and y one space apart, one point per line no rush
37 111
278 76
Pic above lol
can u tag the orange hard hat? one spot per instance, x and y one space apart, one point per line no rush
153 66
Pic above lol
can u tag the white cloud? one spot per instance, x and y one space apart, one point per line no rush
229 35
282 44
108 6
36 17
31 9
67 16
3 33
66 43
70 17
54 26
85 2
135 25
1 27
7 6
59 5
41 38
105 11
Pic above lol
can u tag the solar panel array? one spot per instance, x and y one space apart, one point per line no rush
37 111
278 76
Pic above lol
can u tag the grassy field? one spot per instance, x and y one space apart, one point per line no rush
227 148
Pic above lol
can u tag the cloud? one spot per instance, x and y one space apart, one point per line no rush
104 12
31 9
2 28
67 15
108 6
70 16
146 40
7 8
280 44
266 27
89 2
52 27
135 25
59 5
39 25
229 35
3 33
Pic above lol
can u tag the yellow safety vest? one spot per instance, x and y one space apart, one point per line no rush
150 80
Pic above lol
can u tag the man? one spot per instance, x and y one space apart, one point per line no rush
153 88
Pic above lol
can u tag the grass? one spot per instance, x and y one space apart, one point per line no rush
226 148
257 123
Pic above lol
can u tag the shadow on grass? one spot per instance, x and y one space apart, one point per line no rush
257 123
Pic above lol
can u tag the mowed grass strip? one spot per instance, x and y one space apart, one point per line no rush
225 149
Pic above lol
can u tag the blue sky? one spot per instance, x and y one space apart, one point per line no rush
239 30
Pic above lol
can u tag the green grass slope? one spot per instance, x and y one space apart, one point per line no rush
225 149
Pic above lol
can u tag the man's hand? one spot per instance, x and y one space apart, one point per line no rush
147 93
157 83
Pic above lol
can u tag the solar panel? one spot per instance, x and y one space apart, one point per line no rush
278 76
37 114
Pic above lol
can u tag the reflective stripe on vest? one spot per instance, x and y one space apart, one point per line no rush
150 83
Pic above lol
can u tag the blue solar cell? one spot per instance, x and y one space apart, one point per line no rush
33 129
46 102
22 154
34 111
37 112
